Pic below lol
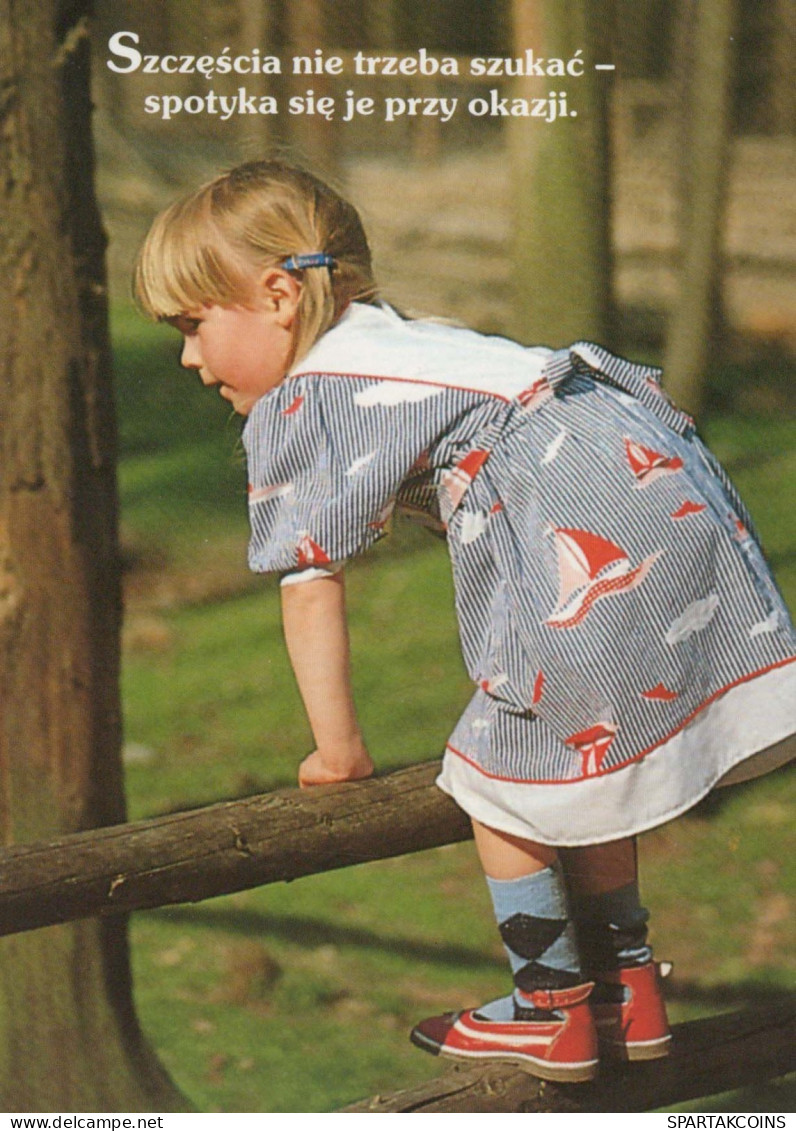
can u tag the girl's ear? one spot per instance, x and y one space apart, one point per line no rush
279 292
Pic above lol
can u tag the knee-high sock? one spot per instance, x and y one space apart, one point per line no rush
611 929
534 924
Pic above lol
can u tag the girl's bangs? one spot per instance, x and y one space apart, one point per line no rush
186 263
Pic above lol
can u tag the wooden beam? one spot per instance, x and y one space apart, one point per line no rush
711 1055
190 856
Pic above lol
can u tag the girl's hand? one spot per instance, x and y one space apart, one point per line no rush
325 768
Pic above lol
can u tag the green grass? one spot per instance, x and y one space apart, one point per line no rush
215 696
298 997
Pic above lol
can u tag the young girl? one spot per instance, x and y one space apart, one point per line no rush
629 647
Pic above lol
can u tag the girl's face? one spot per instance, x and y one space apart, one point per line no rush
244 350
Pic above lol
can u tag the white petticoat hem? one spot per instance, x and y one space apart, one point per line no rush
747 732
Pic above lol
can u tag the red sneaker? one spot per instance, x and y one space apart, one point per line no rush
630 1014
562 1046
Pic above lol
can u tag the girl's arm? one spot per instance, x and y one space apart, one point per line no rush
316 632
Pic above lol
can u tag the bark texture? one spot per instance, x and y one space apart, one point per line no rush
68 1035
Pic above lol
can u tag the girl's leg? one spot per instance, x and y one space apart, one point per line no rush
601 867
529 898
611 929
611 924
546 1024
507 857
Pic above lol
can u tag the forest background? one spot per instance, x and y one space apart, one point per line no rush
299 997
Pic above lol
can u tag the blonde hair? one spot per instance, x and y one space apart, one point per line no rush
210 246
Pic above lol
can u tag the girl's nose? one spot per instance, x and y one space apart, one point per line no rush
190 358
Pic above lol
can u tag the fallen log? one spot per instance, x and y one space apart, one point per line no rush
709 1056
227 847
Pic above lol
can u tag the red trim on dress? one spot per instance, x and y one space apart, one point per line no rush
636 757
401 380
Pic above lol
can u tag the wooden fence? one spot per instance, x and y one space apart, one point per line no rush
190 856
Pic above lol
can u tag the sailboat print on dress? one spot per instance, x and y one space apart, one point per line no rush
590 567
741 531
474 523
689 507
491 685
473 526
660 693
310 553
593 745
553 448
648 465
538 688
456 481
270 491
294 406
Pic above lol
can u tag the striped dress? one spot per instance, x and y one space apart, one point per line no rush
628 645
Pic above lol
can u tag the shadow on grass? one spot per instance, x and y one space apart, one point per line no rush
309 931
306 931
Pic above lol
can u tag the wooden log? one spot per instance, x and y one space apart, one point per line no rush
227 847
711 1055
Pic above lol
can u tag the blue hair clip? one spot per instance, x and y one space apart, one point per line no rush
312 259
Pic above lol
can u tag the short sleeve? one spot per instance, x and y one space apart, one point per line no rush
326 455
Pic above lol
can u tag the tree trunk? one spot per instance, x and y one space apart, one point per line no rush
68 1035
316 140
782 96
254 30
696 320
561 234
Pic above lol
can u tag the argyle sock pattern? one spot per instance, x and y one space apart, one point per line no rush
611 929
534 924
